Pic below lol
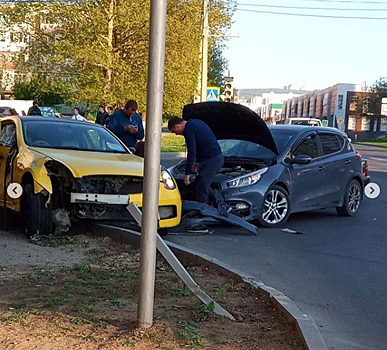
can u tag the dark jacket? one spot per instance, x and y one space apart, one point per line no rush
101 118
201 143
34 110
117 123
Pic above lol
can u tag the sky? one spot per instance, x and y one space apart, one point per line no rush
307 52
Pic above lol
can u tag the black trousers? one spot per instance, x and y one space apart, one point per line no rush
206 173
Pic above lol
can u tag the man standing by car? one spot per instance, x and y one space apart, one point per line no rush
126 123
101 116
110 111
34 109
204 155
77 115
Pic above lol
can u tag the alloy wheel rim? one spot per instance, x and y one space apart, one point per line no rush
354 197
275 207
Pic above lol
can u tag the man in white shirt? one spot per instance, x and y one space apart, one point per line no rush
77 116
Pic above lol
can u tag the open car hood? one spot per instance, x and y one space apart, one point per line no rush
232 121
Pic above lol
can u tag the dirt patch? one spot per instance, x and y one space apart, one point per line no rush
17 250
92 304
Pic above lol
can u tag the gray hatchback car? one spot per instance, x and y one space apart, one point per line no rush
271 172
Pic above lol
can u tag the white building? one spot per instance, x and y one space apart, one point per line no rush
12 41
268 103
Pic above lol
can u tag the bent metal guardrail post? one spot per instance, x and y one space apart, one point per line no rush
179 268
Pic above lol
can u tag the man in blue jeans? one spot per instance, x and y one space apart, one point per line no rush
204 155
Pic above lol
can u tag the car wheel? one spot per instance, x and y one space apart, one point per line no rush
38 216
276 208
352 199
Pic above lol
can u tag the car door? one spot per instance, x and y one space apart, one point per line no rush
7 139
337 163
307 180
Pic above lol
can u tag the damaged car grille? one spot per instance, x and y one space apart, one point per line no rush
111 184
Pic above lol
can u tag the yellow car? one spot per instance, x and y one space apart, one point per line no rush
70 170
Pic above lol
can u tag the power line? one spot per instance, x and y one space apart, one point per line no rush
349 1
311 8
308 15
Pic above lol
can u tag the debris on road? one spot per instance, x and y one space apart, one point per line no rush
199 213
291 231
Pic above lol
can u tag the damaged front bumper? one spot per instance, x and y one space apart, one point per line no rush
98 198
243 203
102 206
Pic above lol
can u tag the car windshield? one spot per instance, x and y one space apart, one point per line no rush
70 135
245 149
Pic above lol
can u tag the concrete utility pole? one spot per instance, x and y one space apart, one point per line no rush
156 57
206 8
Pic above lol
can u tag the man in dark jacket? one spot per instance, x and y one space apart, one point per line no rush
101 116
126 123
34 109
110 112
204 154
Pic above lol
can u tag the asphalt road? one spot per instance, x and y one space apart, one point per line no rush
335 270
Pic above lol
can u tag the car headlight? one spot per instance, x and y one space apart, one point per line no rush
246 180
168 182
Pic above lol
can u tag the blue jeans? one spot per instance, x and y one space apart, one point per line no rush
206 173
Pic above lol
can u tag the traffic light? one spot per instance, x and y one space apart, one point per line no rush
228 89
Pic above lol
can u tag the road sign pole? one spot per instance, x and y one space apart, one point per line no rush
205 50
156 57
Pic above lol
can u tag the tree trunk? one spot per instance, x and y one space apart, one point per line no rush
108 73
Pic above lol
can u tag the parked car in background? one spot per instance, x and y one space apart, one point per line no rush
304 121
7 111
47 111
271 172
72 170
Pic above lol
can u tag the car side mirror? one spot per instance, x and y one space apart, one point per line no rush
301 159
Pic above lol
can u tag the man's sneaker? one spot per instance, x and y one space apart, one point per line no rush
200 228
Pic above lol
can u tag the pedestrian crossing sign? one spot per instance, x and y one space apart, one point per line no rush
213 93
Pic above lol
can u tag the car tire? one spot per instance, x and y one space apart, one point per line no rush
272 216
38 216
352 199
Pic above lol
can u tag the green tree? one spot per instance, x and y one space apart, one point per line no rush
99 49
41 89
373 102
218 65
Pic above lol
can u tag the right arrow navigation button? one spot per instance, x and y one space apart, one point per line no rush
372 190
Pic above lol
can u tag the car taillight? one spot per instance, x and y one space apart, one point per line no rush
365 168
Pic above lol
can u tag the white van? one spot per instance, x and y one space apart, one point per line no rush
304 121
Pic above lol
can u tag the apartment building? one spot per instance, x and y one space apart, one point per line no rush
268 103
12 41
342 106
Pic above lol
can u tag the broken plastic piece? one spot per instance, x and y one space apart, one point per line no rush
61 220
206 210
291 231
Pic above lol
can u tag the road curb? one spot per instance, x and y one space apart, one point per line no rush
369 145
305 325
